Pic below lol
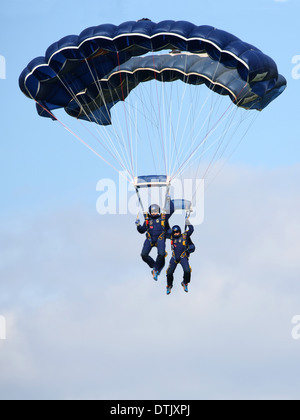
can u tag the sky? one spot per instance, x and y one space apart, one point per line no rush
84 319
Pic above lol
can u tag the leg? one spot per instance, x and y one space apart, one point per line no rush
145 253
161 252
186 270
170 272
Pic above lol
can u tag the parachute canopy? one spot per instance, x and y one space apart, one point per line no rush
165 97
88 74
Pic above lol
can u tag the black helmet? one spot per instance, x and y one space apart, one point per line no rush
176 230
154 210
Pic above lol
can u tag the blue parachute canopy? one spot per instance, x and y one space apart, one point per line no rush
88 74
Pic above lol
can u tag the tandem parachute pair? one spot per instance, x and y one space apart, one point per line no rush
164 97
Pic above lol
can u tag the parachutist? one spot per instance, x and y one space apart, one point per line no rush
182 246
156 226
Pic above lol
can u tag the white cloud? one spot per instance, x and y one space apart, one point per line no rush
85 319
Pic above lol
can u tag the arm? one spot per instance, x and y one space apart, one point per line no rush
142 228
170 209
190 230
168 233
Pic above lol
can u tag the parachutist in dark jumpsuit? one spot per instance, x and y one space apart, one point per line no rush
156 225
181 249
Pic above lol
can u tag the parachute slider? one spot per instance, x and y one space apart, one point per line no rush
150 181
181 204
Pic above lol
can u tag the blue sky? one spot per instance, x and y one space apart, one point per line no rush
73 291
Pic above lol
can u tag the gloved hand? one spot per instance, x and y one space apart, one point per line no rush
137 222
187 221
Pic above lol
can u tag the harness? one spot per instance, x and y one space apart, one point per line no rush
163 225
184 243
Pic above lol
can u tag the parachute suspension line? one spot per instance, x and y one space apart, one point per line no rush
173 136
236 146
159 114
119 139
133 131
225 144
128 117
195 122
74 96
164 120
146 114
188 162
111 144
123 99
213 128
79 138
147 98
214 105
137 140
210 96
183 135
185 159
133 121
218 141
167 112
133 128
119 131
213 111
184 164
106 148
204 176
195 129
221 141
190 123
174 153
238 124
140 200
180 145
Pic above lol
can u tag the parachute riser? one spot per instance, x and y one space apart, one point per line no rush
151 181
140 200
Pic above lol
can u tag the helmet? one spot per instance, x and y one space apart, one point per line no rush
176 230
154 210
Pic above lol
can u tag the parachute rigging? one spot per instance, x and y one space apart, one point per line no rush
144 86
